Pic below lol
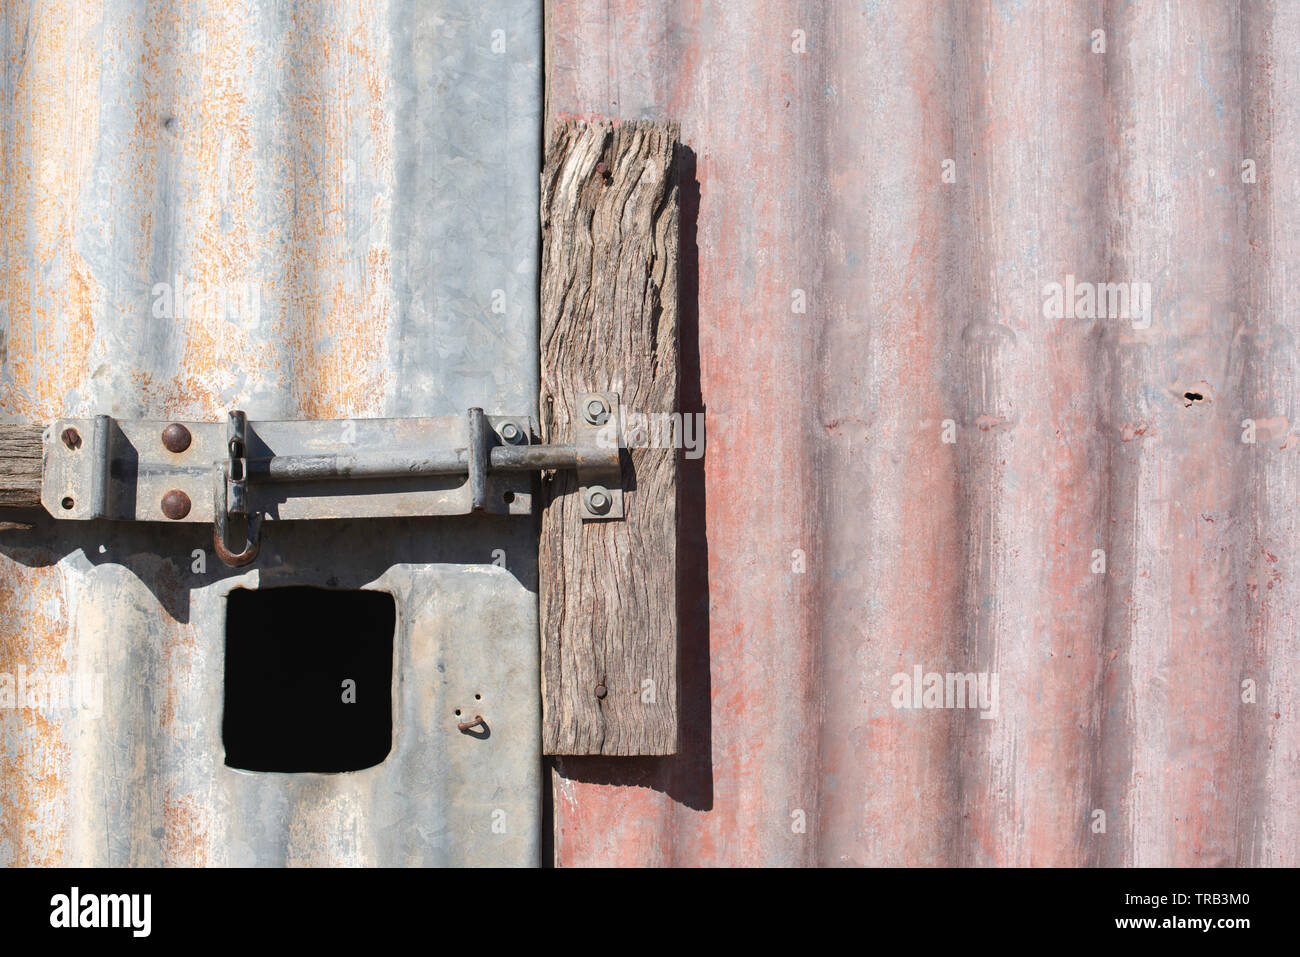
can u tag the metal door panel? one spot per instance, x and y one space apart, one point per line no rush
372 167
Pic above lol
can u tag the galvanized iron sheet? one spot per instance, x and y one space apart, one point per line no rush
837 539
303 211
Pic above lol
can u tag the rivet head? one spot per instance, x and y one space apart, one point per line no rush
599 500
176 438
176 504
595 410
601 691
71 438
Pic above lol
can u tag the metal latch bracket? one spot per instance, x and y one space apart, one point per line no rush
158 471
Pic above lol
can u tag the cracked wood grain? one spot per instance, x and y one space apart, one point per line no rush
609 209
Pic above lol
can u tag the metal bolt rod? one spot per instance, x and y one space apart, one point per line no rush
501 458
308 468
530 458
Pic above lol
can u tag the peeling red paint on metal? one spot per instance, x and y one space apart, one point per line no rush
1121 692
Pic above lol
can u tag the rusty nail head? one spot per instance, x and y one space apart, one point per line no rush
601 691
176 437
176 504
71 438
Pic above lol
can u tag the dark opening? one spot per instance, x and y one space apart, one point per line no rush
309 677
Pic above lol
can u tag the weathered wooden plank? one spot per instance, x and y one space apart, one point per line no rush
20 466
609 324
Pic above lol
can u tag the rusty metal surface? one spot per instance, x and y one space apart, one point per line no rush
304 211
819 133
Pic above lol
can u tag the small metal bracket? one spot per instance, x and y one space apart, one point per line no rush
156 471
237 464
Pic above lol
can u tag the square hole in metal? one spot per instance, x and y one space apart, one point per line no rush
309 679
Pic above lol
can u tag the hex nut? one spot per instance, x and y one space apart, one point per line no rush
599 500
595 410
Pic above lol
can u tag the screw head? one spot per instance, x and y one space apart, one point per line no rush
176 504
511 432
599 500
176 438
601 691
595 410
71 438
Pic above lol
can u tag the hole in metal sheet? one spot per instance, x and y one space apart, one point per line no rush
509 497
67 502
309 675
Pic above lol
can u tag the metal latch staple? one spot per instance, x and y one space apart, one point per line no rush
141 470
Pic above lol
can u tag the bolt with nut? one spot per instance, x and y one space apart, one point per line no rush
599 499
595 410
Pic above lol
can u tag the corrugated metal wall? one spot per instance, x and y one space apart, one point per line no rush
820 132
342 196
833 538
